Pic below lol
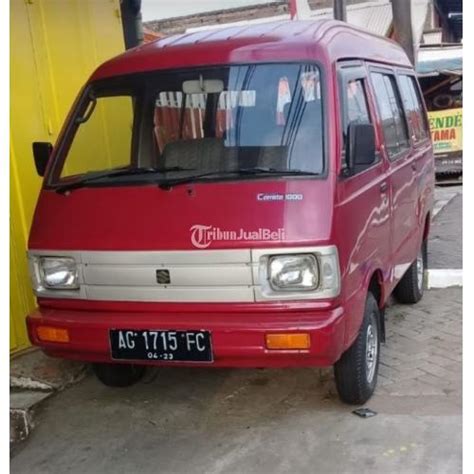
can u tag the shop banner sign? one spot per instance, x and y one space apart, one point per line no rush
446 130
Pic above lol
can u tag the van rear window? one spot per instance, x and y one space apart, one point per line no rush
391 113
413 107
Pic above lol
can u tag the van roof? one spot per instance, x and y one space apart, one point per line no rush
326 40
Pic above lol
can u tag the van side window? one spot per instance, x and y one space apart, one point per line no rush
413 108
356 109
391 113
354 99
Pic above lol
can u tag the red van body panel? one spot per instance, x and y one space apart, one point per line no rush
238 338
324 40
373 231
83 219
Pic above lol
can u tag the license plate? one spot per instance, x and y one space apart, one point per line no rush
448 162
138 344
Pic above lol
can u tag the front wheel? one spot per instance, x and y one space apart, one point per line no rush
119 375
356 371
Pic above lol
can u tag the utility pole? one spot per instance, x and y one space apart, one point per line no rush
402 27
130 11
340 10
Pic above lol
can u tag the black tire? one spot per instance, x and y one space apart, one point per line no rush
410 288
355 377
119 375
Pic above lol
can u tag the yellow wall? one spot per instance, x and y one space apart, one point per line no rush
109 128
54 47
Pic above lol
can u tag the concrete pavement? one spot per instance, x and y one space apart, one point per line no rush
445 246
182 420
278 421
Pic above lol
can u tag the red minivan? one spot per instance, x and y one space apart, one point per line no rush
242 197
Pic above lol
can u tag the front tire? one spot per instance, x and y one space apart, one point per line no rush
119 375
356 371
411 287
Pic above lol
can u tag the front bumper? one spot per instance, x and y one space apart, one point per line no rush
238 339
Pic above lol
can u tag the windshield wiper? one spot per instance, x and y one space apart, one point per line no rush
117 172
275 171
238 172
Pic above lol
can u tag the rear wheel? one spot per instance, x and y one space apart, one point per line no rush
410 288
356 371
119 375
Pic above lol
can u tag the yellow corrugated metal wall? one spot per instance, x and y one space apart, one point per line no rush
54 47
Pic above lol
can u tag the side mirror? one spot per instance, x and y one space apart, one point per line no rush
41 152
360 152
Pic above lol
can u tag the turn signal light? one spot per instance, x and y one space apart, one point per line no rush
52 334
299 340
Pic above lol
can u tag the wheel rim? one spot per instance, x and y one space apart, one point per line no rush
371 352
420 269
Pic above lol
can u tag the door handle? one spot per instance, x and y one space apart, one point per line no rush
383 187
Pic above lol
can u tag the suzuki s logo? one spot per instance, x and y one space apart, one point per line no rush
163 277
199 236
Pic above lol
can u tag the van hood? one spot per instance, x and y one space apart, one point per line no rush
244 214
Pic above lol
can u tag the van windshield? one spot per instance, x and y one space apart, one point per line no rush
208 122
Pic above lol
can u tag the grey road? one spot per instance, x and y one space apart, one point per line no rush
269 421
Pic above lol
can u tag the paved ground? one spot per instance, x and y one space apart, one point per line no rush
278 421
216 421
445 247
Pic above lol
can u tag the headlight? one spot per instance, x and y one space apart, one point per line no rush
298 273
293 272
58 273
